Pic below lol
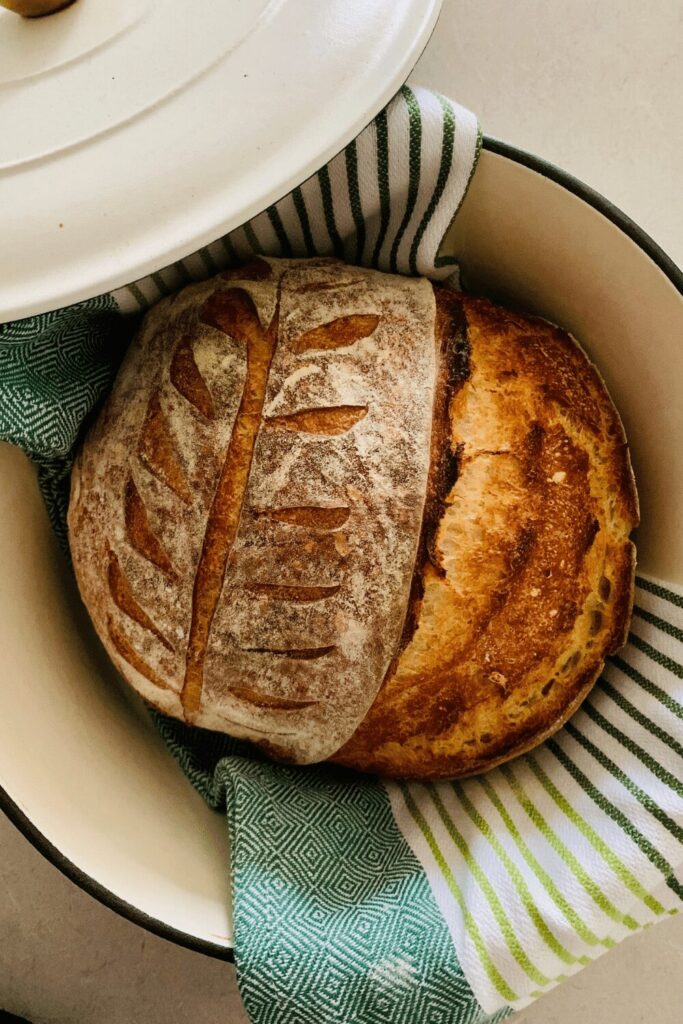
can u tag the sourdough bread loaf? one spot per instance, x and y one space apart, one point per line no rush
352 515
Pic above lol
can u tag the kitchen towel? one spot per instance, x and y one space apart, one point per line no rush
357 901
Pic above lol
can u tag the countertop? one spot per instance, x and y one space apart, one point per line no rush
594 86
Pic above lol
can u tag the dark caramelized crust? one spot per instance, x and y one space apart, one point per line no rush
451 344
528 583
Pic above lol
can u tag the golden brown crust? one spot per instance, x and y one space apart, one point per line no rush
531 581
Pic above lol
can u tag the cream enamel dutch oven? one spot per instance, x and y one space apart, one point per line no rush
83 773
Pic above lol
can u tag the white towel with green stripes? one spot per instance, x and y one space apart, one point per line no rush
545 863
358 902
386 201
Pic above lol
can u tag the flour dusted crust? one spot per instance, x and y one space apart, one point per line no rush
246 514
358 517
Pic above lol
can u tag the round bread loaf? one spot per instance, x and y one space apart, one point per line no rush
355 516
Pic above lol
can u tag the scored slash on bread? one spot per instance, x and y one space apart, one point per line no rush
355 516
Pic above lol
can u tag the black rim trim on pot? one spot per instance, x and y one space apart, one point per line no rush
101 893
594 199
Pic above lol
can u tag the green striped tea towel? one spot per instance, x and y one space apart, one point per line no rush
358 902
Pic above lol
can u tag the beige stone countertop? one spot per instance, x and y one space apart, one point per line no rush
595 86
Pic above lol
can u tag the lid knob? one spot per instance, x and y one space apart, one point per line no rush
35 8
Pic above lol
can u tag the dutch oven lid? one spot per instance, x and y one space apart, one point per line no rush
132 132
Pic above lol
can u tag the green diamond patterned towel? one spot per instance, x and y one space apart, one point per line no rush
358 902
